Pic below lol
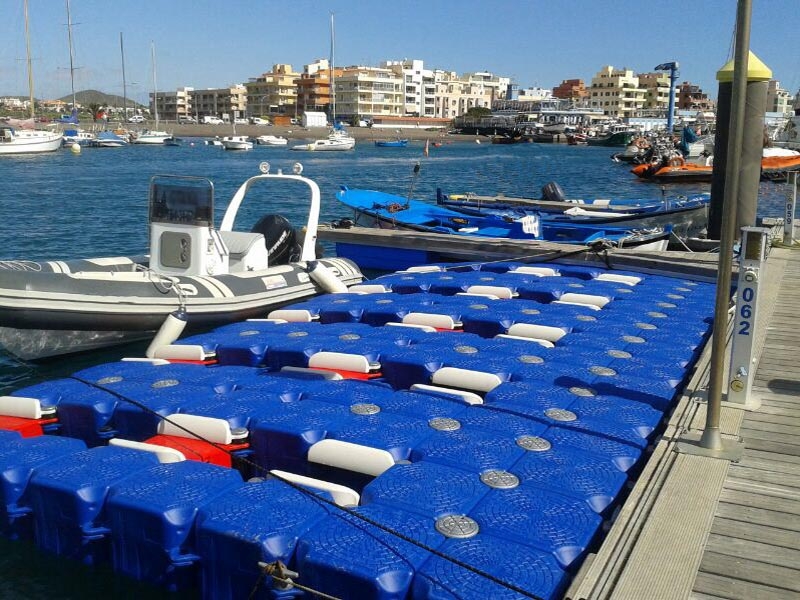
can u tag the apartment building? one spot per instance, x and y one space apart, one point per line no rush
571 89
616 92
495 85
274 92
419 86
454 96
227 102
656 87
779 100
364 92
173 105
691 97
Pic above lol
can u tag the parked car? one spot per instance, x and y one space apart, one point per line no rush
186 120
210 120
258 121
136 119
240 121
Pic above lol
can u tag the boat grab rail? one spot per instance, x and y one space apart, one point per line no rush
308 252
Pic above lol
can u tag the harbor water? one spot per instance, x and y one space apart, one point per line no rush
65 206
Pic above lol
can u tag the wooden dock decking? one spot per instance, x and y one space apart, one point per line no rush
704 528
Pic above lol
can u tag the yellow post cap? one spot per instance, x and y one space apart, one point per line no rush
756 70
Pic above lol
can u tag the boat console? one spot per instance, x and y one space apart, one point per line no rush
183 240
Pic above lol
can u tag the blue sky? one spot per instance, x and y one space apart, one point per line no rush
205 43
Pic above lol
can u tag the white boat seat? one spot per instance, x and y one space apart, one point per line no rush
467 397
465 379
431 320
184 425
343 496
163 453
616 277
537 332
240 243
351 457
247 251
539 271
18 406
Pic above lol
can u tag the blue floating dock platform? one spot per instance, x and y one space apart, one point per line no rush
461 432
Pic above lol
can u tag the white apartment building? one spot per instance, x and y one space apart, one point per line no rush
535 93
616 92
363 92
779 100
495 85
454 96
419 86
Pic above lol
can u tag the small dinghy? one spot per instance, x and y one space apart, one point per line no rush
195 275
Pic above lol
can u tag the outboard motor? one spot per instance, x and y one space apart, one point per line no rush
280 239
553 192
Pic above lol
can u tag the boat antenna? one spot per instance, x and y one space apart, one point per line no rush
414 178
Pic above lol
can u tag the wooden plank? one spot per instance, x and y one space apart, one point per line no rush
756 533
748 550
774 414
781 459
764 514
775 478
757 460
787 428
756 434
734 589
780 448
753 571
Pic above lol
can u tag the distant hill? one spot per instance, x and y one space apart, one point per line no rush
87 97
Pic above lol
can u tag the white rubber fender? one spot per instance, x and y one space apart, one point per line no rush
325 278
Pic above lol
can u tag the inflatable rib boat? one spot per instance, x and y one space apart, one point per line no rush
195 273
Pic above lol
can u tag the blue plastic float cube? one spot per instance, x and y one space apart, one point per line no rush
348 557
18 458
68 498
257 522
152 520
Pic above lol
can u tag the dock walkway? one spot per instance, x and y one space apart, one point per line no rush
704 528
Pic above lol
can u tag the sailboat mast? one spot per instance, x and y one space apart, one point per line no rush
124 86
155 85
30 62
71 56
333 82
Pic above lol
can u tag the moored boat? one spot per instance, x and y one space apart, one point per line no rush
271 140
236 142
398 143
688 216
209 275
379 209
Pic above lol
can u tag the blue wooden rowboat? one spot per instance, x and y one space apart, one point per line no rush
391 143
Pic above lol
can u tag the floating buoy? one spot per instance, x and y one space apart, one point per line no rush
75 148
477 141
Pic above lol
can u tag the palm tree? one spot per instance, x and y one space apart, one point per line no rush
94 109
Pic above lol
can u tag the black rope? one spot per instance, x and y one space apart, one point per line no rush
321 500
